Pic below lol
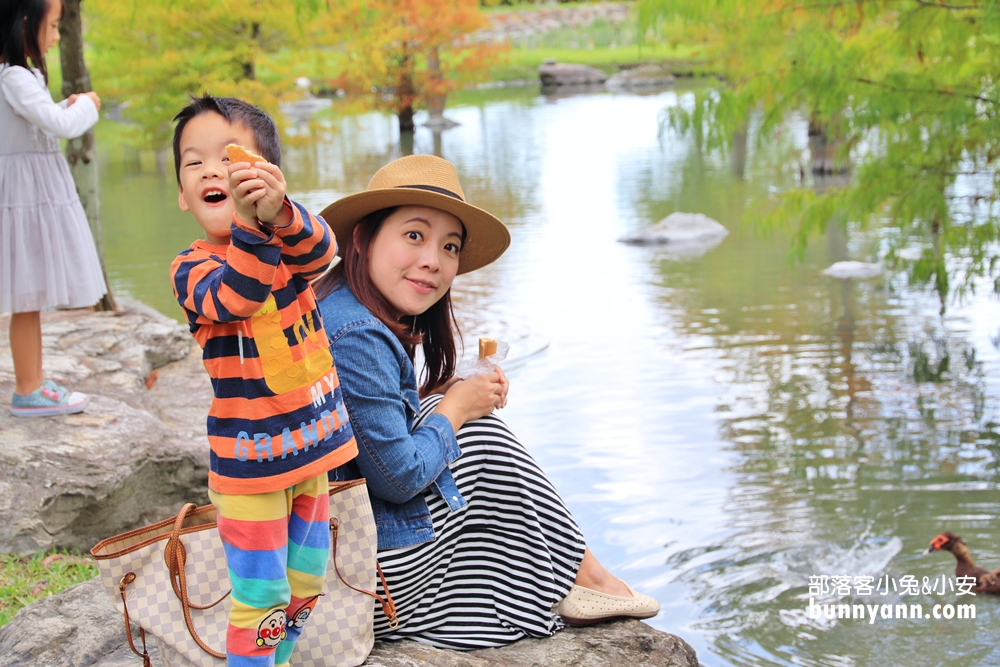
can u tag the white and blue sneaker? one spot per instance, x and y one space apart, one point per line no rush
48 400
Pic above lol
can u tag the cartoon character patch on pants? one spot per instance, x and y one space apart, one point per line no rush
272 629
298 619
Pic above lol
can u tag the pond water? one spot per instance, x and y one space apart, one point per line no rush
723 425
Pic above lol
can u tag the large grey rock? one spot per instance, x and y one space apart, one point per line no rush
134 456
552 73
690 229
643 76
77 628
81 628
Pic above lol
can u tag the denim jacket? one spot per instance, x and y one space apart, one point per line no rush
379 387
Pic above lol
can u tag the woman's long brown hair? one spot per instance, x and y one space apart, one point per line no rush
434 330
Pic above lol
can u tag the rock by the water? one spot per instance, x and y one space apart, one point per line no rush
909 254
643 76
693 229
76 628
80 627
552 73
439 123
302 110
851 269
133 456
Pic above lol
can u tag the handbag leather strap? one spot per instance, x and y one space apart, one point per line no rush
176 557
122 585
388 606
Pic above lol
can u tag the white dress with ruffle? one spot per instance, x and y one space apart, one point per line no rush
47 254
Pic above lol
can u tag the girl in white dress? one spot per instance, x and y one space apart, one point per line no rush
47 254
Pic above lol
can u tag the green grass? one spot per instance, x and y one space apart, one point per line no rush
603 44
522 63
25 579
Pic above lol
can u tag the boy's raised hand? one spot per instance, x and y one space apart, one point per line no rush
271 207
245 189
258 192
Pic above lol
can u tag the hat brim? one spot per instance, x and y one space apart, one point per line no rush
486 237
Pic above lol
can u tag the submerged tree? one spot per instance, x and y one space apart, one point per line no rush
907 87
413 51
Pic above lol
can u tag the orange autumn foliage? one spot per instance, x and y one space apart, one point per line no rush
410 50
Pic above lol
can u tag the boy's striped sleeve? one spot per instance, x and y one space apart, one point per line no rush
308 243
231 289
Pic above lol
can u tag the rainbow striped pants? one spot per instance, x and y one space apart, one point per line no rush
277 547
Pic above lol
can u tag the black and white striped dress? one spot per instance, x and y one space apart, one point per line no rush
498 565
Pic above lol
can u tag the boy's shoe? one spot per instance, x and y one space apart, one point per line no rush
48 400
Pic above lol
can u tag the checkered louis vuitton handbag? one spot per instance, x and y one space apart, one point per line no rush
171 579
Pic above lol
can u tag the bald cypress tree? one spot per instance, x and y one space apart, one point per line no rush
908 88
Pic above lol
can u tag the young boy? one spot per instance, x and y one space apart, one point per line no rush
278 421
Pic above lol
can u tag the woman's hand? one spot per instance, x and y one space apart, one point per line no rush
505 386
473 398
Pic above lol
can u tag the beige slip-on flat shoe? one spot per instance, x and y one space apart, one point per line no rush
584 606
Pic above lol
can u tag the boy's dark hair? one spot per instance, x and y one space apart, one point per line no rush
265 132
20 21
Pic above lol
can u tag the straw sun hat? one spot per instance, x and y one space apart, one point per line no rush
421 180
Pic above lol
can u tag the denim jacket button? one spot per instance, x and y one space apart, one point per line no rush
455 498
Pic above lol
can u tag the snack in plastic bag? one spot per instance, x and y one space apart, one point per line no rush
491 353
487 346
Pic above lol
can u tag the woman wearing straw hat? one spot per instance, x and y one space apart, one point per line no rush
475 544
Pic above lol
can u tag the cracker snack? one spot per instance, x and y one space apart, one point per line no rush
239 154
487 346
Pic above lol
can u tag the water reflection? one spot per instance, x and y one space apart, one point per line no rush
722 426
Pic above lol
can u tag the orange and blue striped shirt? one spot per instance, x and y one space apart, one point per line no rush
278 417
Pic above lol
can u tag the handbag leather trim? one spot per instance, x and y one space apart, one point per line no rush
202 518
388 606
125 581
175 557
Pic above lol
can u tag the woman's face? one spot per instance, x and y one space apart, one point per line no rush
414 257
48 32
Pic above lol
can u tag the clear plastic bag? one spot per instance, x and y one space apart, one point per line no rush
469 367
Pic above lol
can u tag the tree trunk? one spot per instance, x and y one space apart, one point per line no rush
435 101
406 119
738 153
824 151
436 95
249 68
81 153
405 94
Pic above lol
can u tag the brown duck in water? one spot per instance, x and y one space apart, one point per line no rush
986 581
